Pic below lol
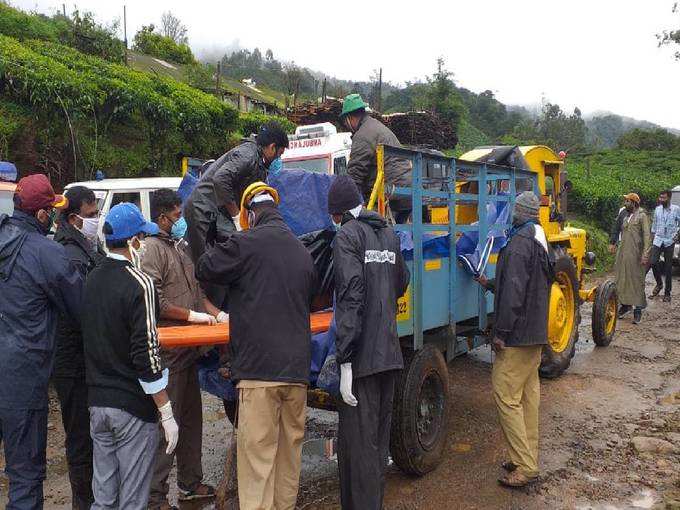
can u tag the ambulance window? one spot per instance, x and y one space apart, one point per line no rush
126 196
340 165
318 165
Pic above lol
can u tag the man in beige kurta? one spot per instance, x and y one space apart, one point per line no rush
631 238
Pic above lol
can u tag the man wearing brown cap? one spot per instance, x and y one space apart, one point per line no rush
631 240
37 283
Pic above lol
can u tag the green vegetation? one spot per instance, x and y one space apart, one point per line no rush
79 31
148 41
602 178
597 242
70 107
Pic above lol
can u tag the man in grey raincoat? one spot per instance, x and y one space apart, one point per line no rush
631 240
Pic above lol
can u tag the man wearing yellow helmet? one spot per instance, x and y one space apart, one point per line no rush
270 278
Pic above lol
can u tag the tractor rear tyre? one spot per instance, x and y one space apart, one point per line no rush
421 412
564 318
605 313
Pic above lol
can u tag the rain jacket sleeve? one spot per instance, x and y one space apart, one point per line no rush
646 236
236 169
512 292
350 294
155 264
221 264
144 346
65 288
403 274
361 161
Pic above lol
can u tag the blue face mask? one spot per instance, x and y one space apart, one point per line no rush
275 166
179 228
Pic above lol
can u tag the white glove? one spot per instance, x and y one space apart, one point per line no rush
169 427
346 384
201 318
237 222
222 317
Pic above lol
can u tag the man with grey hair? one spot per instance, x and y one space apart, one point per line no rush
524 275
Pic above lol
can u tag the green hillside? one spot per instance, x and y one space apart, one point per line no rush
68 112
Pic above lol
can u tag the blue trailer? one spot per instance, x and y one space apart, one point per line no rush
445 313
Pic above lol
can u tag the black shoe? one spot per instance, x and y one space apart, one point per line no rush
637 316
666 299
624 309
656 291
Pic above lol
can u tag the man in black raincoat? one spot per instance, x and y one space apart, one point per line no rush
214 202
370 275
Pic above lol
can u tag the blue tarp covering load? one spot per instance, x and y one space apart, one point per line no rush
8 172
186 186
304 199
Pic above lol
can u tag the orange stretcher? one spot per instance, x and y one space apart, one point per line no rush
199 335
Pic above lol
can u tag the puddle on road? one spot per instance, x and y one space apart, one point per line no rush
645 500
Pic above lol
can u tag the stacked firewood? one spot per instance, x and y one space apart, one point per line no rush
420 129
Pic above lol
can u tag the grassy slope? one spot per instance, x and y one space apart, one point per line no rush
152 65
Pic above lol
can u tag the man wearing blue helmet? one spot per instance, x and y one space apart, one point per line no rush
125 376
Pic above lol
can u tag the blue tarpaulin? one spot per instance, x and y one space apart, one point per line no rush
304 199
186 186
8 172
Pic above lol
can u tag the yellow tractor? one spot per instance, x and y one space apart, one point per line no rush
572 262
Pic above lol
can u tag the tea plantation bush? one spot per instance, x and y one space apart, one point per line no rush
597 193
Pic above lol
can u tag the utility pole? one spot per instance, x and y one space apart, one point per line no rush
63 9
323 90
125 32
219 72
380 90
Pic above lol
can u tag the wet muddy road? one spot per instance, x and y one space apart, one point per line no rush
610 434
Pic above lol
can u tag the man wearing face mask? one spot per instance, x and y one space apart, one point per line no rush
214 202
370 276
665 228
631 240
368 133
181 299
521 287
126 379
78 234
37 283
271 277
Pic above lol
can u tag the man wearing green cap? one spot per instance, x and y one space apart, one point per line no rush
368 133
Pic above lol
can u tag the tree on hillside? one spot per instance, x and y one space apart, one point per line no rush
293 81
553 128
671 36
148 41
442 96
648 139
173 28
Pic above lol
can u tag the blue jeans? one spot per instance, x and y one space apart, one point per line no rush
23 433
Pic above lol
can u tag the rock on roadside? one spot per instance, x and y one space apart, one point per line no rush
652 445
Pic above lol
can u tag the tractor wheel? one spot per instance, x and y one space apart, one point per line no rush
604 313
421 412
564 317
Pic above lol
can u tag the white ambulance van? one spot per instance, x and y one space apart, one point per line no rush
318 148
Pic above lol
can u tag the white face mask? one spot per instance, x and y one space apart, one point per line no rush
137 253
90 228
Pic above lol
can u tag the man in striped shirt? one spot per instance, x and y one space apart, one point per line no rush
125 377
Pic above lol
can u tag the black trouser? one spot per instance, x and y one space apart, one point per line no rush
364 441
665 268
72 394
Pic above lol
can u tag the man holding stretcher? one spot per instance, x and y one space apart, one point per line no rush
270 278
167 262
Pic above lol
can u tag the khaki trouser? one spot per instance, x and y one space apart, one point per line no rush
271 427
517 393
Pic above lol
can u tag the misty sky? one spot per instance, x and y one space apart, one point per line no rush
595 54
